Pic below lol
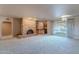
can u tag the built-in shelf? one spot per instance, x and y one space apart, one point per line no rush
41 27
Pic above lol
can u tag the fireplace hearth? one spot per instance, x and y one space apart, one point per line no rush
30 31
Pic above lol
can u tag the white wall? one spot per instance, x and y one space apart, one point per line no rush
70 28
50 27
73 28
76 28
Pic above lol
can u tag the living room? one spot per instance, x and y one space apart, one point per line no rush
37 29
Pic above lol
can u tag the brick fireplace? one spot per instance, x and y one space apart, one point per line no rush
29 26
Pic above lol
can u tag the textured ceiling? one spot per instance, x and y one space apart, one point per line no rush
50 11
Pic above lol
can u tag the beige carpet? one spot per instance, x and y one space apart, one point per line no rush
41 44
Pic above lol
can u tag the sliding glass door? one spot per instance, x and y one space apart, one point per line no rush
60 27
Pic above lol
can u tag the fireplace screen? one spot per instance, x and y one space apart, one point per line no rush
30 31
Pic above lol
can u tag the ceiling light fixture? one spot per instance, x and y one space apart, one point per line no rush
32 18
66 16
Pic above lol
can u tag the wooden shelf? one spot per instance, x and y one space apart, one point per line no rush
41 27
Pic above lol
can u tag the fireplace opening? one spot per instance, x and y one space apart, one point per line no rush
30 31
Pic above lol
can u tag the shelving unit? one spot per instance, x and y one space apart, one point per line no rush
41 27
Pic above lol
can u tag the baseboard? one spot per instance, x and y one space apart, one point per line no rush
7 37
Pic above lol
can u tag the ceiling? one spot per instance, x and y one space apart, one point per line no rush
49 11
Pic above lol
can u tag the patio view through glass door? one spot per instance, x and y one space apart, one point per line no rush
60 27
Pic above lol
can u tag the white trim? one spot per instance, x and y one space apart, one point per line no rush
6 37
